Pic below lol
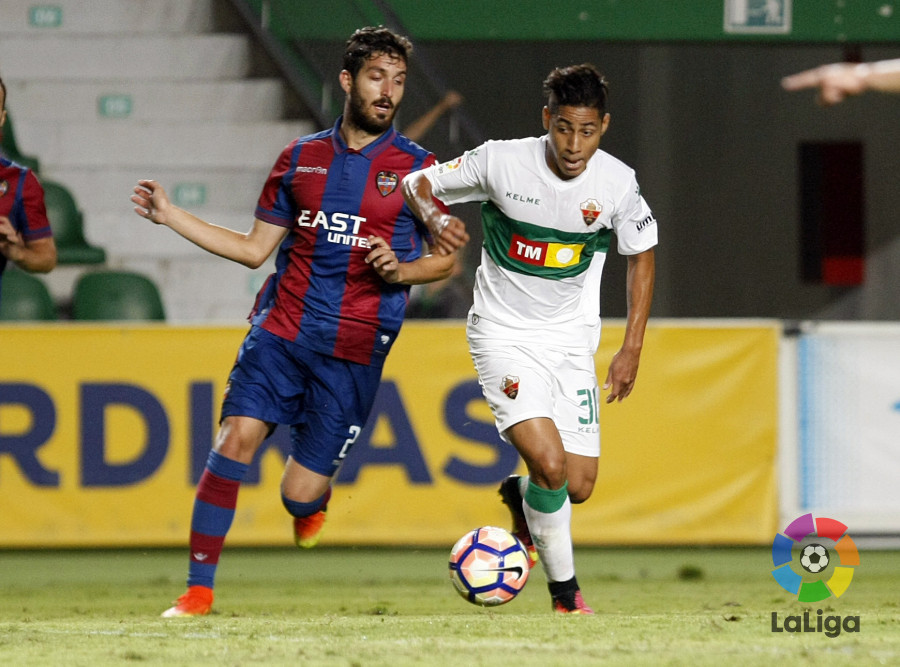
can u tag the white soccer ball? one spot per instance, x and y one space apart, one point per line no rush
488 566
814 558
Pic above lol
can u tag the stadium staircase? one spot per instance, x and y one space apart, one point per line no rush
109 91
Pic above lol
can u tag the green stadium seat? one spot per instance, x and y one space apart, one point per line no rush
68 227
24 297
10 148
116 295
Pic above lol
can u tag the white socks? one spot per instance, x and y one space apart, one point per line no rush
549 516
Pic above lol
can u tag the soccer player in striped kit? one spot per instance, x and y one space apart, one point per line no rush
25 234
551 206
323 323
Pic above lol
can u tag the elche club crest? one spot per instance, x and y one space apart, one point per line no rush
509 385
590 211
387 182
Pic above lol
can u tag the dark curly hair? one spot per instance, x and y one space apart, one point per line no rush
371 41
576 86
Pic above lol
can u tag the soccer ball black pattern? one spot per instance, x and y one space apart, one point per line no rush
488 566
814 558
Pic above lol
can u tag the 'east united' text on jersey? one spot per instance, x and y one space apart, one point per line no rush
545 238
332 198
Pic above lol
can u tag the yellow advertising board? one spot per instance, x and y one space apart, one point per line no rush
104 431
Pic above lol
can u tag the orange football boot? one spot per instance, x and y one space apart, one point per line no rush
308 529
571 604
196 602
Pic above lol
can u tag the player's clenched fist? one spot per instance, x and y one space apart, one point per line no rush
383 260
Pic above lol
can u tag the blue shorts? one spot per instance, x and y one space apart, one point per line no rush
325 400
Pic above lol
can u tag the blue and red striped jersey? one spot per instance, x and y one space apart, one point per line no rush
22 201
332 198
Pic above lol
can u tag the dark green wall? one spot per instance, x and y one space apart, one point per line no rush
864 21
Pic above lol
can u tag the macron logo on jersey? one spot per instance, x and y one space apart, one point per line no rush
540 253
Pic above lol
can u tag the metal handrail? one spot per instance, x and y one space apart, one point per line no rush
295 64
289 67
460 118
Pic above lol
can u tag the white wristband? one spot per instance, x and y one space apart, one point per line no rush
441 225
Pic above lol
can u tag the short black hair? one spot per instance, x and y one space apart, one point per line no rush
368 42
576 86
3 88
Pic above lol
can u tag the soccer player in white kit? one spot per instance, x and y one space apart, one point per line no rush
551 206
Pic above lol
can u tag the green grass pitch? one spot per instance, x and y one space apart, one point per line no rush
360 606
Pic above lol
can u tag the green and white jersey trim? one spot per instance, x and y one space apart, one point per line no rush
545 239
538 251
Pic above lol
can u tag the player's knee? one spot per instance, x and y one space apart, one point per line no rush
239 438
549 469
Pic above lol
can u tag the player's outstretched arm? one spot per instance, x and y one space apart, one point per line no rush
425 269
449 232
624 366
838 81
250 249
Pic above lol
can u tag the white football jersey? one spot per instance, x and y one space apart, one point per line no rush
545 239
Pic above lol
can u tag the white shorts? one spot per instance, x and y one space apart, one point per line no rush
522 383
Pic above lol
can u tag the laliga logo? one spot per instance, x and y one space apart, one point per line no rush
818 541
819 538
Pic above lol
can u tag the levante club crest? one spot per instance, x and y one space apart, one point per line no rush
387 182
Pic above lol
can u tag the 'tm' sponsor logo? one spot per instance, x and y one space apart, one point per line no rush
541 253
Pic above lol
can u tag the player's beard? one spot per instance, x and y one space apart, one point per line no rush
367 122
